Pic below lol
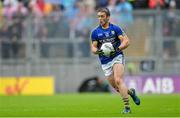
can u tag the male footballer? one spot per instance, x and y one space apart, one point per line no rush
113 65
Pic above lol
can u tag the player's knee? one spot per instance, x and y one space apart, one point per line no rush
118 77
117 81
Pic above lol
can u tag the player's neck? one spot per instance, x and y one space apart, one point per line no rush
105 26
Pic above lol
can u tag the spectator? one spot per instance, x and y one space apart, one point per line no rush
101 3
72 12
68 3
14 3
17 28
8 11
44 45
14 17
124 9
170 22
37 17
81 25
5 42
170 29
156 4
177 4
112 7
140 4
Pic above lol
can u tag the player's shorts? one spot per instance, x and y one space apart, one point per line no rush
108 68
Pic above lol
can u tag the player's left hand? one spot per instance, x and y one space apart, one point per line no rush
112 53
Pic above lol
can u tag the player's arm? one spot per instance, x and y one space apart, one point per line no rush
94 44
94 48
124 42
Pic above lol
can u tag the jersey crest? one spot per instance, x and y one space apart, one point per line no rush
106 34
112 32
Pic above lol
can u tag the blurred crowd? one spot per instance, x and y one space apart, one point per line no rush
64 18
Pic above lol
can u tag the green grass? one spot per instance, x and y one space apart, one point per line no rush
87 105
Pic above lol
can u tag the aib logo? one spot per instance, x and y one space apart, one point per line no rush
17 88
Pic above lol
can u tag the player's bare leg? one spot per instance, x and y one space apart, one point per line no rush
118 70
131 91
112 82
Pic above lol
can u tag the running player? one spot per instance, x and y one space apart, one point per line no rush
113 65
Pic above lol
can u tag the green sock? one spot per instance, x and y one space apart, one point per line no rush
126 102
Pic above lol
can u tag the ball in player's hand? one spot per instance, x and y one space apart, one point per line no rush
107 48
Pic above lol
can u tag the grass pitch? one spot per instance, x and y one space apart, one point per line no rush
88 105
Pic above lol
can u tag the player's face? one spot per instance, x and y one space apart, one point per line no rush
103 18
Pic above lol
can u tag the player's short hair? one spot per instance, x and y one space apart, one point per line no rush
105 10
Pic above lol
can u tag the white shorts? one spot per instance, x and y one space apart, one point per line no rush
108 68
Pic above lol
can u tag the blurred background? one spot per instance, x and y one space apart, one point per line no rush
44 45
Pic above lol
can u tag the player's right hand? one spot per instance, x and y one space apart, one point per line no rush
117 49
100 52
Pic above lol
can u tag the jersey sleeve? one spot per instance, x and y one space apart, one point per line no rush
94 36
119 31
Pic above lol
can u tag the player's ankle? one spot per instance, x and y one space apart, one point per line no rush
130 92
